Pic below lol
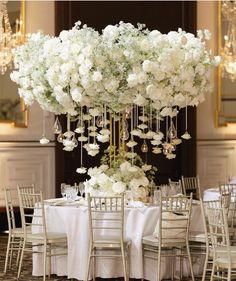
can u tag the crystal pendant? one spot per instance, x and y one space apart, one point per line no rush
172 134
99 121
57 127
144 147
74 140
124 134
60 138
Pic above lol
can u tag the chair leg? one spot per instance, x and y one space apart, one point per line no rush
205 265
21 259
44 261
143 262
126 277
7 253
49 260
88 263
159 265
94 265
190 263
12 245
19 251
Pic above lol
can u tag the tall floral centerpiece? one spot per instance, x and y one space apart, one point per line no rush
118 86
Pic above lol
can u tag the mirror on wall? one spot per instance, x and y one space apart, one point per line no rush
12 108
226 90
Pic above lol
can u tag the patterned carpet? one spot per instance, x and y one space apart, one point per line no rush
26 274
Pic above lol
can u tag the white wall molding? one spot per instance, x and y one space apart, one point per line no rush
216 161
26 164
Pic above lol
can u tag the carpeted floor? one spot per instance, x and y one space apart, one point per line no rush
26 274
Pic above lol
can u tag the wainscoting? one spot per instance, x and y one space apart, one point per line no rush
216 161
26 163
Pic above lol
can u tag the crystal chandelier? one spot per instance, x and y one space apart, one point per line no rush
8 39
228 52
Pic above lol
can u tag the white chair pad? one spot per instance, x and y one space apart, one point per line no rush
196 236
110 243
52 237
150 240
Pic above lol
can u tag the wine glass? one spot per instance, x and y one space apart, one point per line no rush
81 189
63 189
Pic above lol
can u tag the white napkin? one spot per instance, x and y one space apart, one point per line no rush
136 204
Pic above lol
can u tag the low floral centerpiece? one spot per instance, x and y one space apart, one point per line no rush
121 176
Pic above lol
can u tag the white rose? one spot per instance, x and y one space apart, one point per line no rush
97 76
147 66
76 94
118 187
140 100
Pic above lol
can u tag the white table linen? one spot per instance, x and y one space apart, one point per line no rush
73 220
211 194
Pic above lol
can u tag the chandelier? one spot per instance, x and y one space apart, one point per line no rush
228 53
8 39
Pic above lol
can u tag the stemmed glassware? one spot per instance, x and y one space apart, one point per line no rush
81 189
63 189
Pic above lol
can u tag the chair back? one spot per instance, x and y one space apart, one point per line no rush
32 211
176 185
191 185
9 209
106 217
218 227
175 212
227 188
230 191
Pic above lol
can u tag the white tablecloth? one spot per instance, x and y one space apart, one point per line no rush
73 221
211 194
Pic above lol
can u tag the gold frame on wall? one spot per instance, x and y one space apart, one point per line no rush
23 122
221 118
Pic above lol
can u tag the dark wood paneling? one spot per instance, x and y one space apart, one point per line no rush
161 15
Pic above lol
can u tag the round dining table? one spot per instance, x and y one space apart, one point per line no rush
72 219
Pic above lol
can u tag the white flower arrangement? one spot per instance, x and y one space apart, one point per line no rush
81 67
124 67
122 175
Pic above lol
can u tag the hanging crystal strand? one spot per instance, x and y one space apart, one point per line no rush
137 115
123 139
186 135
94 130
43 139
157 122
119 135
68 122
114 136
150 118
167 129
132 137
105 117
111 135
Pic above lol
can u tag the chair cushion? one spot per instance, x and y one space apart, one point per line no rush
52 237
150 240
197 236
110 243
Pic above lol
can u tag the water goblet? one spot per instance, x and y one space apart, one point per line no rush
81 189
63 190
